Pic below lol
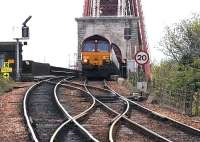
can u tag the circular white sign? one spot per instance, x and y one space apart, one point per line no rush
142 57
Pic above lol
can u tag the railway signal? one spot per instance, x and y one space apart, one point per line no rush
25 35
25 28
142 57
25 32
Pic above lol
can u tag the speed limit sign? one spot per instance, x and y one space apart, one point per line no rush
141 57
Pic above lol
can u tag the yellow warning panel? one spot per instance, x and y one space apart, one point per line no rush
5 70
6 75
6 65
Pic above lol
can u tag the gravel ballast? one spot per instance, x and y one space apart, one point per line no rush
12 127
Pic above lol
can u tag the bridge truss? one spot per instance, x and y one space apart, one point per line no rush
120 8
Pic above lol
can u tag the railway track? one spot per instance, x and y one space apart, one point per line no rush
162 126
88 113
94 112
72 128
106 125
44 115
40 110
106 96
146 120
131 130
166 127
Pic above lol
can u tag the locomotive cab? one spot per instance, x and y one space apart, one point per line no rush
95 53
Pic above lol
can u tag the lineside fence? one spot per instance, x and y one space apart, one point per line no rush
184 100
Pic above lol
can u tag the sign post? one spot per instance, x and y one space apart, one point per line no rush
141 58
18 76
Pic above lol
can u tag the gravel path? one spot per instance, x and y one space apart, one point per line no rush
12 127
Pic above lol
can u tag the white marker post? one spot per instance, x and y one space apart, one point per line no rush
141 58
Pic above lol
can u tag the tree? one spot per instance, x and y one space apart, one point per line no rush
181 73
181 41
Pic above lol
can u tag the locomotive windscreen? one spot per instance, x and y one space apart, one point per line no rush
103 46
96 45
89 47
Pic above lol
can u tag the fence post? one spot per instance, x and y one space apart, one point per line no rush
196 102
188 103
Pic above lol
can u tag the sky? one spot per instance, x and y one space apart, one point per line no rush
53 29
161 13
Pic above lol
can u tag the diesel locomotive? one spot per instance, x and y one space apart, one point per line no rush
96 57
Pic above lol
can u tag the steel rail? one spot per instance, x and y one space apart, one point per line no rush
75 117
30 128
138 126
87 91
117 118
154 133
120 116
178 124
58 130
80 84
62 72
70 117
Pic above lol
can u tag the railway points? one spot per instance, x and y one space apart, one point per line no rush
108 109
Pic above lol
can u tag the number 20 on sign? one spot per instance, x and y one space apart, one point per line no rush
141 57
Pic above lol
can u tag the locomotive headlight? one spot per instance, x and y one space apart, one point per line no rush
85 60
104 57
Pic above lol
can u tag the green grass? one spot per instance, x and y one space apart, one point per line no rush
6 85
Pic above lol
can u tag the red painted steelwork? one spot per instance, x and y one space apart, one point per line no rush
86 11
142 35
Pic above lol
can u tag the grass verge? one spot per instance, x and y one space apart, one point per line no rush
6 85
